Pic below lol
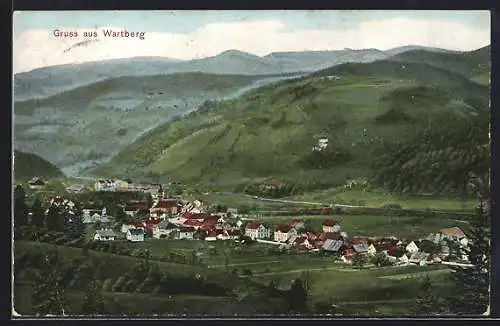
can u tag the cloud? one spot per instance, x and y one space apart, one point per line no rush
37 48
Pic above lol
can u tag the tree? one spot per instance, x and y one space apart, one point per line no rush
297 296
359 260
93 302
380 259
49 293
426 302
38 217
74 223
54 218
20 207
473 283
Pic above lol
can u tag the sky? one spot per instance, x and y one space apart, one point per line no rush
197 34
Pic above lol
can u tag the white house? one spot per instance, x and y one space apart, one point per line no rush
404 260
186 233
126 227
104 235
135 235
412 247
371 249
256 230
36 183
164 229
283 233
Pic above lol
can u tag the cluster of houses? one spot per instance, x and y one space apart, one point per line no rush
156 190
169 218
175 219
333 240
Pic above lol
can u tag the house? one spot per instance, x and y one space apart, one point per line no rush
371 249
452 234
195 207
76 188
301 243
330 225
196 224
167 206
104 235
210 224
330 235
283 233
36 183
151 224
404 260
126 227
419 258
298 225
412 247
256 230
164 229
232 212
186 233
360 248
135 235
332 245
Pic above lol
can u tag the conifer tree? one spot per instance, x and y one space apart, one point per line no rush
54 218
20 207
49 293
93 302
38 217
473 283
427 303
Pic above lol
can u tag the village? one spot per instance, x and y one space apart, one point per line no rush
167 219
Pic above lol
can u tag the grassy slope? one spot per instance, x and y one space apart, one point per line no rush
115 111
268 131
28 165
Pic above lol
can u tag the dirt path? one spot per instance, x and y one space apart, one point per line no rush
308 270
413 275
246 264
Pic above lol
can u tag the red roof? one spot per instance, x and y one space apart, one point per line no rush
167 203
192 222
329 222
356 241
382 246
311 236
318 243
283 228
329 235
141 206
350 252
253 225
150 224
212 233
186 215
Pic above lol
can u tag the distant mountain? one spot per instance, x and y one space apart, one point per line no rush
421 73
406 48
49 81
83 126
29 165
467 64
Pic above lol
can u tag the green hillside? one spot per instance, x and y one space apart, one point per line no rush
467 64
116 111
270 132
28 165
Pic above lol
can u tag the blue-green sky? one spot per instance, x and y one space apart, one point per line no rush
196 34
188 21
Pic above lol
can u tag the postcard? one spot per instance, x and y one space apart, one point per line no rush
315 163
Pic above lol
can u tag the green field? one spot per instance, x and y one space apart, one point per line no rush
374 198
269 132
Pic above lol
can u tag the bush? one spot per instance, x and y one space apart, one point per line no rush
247 272
107 285
119 285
